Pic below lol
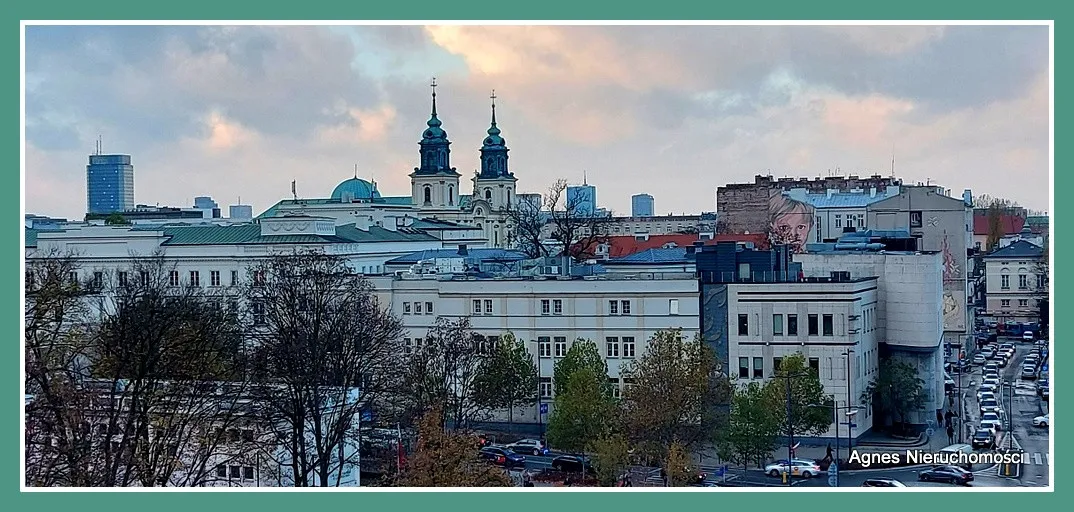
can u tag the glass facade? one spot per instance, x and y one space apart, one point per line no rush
109 184
641 205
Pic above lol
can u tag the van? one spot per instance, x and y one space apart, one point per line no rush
1027 336
956 449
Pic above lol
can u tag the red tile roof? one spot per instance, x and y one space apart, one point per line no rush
1010 224
620 246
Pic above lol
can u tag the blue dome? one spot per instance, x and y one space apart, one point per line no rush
355 188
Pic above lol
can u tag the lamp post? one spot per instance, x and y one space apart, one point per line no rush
790 423
850 428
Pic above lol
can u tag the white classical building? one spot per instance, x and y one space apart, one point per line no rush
1016 280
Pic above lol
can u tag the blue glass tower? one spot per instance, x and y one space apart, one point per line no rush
109 183
641 205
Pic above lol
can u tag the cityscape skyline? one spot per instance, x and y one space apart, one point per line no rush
229 111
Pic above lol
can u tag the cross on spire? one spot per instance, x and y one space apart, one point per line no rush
433 86
493 97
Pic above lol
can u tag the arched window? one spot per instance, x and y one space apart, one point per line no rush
428 194
451 195
508 197
488 194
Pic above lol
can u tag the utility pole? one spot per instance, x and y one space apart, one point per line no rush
850 428
790 424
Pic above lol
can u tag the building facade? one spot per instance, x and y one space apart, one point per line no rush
641 205
1016 281
582 199
109 184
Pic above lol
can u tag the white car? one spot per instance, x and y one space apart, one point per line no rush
1041 421
987 388
532 446
991 420
985 395
990 405
1027 336
991 380
802 468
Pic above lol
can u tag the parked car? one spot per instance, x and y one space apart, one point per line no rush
948 382
1029 372
802 468
572 464
949 474
984 438
1027 336
882 482
991 420
1042 388
531 446
1042 421
979 359
502 456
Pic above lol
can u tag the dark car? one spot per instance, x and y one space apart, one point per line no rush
882 482
983 438
502 456
1042 388
572 464
949 474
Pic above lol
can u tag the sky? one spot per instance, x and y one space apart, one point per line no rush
238 112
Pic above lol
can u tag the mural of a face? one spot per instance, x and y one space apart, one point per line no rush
792 221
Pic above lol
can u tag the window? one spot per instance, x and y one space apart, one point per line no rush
1005 281
820 237
814 365
145 277
428 308
72 277
561 346
407 347
743 367
236 472
557 307
777 363
613 307
1040 280
829 327
214 278
545 307
259 278
814 325
428 194
777 325
915 219
544 346
247 473
406 308
628 384
122 278
173 278
1023 282
792 325
221 471
195 278
626 307
628 346
839 221
612 346
98 280
758 367
417 308
477 307
1023 303
673 306
417 345
234 277
488 306
614 384
258 310
546 387
743 325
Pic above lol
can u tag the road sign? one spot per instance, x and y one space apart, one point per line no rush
930 432
832 481
544 408
833 469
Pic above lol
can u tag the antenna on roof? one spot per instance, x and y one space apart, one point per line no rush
355 171
293 190
584 181
893 159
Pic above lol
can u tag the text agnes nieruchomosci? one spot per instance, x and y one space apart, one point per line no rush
914 457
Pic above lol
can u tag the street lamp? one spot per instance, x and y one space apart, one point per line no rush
850 428
790 419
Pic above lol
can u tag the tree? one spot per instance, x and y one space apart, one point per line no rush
583 353
677 396
582 411
810 408
680 469
896 392
125 377
752 428
508 379
447 459
322 350
1044 280
995 226
564 219
442 374
611 458
116 219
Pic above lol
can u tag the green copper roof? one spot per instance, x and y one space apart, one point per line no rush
31 237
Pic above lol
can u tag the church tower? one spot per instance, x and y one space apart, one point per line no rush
435 185
494 183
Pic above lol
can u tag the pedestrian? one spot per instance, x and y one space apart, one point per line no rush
828 455
939 416
664 476
950 434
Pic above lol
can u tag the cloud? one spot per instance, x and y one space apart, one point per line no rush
670 111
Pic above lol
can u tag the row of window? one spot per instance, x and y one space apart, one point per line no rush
548 307
1022 303
615 347
123 278
1023 281
237 473
817 325
758 366
618 386
417 308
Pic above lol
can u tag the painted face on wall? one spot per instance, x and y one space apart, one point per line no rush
793 228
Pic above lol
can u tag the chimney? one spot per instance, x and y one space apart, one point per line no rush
872 191
462 250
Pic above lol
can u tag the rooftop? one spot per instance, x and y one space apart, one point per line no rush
480 254
1009 224
621 246
1019 249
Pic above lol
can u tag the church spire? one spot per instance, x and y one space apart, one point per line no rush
494 149
433 121
435 152
493 130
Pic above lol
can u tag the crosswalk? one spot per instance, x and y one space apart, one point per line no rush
1036 459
